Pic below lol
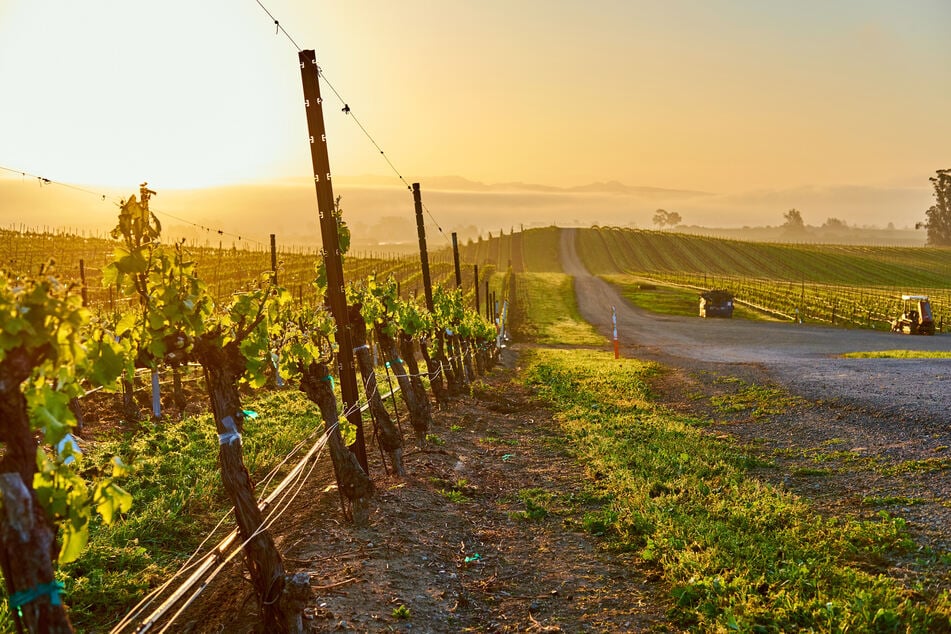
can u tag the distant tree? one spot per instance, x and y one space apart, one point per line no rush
663 218
834 224
794 220
939 214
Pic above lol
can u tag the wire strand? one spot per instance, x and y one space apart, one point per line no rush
279 26
349 112
103 197
48 181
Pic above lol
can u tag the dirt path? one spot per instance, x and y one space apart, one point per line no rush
455 542
877 428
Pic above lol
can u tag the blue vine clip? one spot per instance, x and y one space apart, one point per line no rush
18 599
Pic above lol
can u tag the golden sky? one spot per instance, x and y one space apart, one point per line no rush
714 95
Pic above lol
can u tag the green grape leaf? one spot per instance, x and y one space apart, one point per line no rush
348 431
111 499
50 422
107 364
126 323
74 540
119 468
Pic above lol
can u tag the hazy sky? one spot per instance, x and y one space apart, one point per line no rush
714 95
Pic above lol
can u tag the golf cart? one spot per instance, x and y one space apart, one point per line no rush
716 303
916 317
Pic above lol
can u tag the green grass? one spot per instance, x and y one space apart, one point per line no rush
666 300
495 440
538 504
549 314
891 500
670 300
456 492
454 496
851 461
926 465
738 554
178 499
899 354
849 285
811 472
759 401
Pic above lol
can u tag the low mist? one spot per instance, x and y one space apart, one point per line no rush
384 216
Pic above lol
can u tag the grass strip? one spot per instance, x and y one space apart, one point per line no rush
670 300
738 554
899 354
178 499
549 313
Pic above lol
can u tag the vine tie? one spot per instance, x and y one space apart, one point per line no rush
18 599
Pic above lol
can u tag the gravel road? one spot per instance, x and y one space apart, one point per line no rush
888 410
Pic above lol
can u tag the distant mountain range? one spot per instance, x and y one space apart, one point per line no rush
461 184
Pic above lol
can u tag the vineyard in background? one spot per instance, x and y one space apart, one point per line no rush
844 285
613 250
229 269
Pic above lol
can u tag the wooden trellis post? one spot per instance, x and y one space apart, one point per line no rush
475 285
274 258
455 259
440 366
83 289
423 252
336 294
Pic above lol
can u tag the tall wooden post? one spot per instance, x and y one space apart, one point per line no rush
441 367
488 307
336 294
455 259
423 253
82 280
475 285
274 258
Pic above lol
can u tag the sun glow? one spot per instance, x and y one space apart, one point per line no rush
720 96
